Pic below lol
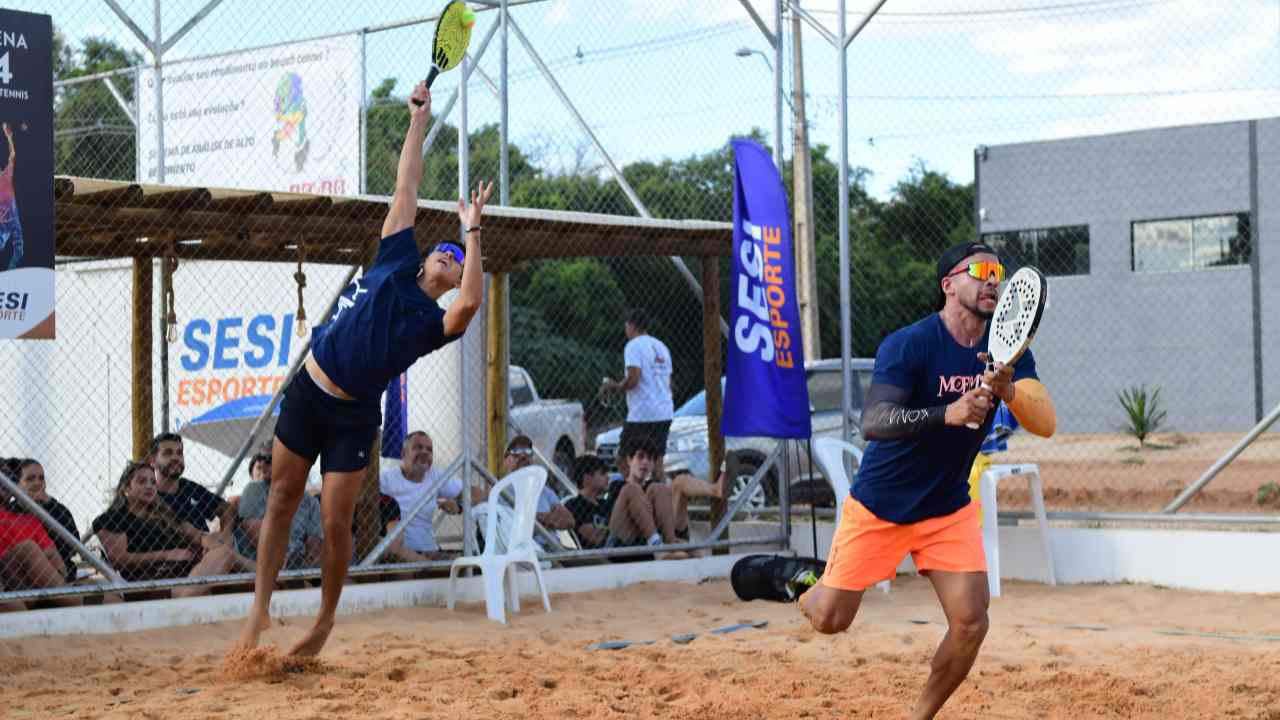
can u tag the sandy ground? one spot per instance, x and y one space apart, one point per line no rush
1067 652
1110 472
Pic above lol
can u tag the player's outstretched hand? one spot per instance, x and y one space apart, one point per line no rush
422 95
470 214
972 407
999 379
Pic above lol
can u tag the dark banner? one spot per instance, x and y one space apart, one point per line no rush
26 180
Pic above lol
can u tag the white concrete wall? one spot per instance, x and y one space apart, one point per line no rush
131 617
1190 559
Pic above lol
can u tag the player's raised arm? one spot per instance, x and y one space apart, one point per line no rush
471 292
404 203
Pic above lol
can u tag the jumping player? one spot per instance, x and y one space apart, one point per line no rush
383 323
911 494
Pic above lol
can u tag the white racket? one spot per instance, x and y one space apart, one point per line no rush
1016 319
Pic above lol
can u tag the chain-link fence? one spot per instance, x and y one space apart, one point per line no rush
1039 128
1086 139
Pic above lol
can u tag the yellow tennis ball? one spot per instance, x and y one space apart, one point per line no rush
468 17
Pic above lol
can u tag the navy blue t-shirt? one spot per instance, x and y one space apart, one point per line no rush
383 323
906 481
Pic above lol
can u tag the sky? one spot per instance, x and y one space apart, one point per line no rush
929 80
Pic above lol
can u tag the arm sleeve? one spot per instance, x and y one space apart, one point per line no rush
1033 408
888 418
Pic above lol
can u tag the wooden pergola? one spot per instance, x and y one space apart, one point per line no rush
102 219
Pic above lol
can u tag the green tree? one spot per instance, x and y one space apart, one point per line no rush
387 121
94 137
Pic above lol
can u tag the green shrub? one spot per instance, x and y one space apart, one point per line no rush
1142 409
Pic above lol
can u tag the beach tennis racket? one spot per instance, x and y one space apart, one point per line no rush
1016 319
453 34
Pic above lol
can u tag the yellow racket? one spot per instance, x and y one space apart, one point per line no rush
453 34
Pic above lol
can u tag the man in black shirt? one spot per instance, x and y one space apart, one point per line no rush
190 501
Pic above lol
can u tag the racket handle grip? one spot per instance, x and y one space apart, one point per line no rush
431 77
974 426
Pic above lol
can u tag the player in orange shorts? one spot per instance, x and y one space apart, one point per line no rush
911 494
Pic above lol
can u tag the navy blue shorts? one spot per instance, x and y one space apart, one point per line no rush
314 423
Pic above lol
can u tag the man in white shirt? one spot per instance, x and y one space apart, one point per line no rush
648 387
413 479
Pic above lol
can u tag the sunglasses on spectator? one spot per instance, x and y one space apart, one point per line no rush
983 270
521 451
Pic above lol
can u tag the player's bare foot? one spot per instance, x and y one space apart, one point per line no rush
254 626
314 640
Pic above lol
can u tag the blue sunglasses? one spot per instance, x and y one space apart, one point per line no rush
451 249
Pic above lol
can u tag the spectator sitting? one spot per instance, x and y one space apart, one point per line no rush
32 481
551 513
644 510
190 502
145 540
592 506
28 558
409 483
306 532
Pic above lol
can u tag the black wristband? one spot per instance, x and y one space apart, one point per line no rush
473 228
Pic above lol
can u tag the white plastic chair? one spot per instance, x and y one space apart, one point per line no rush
991 477
829 454
508 544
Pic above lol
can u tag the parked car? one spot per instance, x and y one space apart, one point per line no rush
555 426
687 443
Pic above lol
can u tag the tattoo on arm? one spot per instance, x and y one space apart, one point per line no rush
887 417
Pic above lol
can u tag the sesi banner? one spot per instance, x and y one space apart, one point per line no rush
765 390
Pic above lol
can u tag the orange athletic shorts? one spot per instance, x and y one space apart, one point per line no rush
866 549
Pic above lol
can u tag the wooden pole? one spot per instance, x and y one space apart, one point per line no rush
141 403
497 405
711 372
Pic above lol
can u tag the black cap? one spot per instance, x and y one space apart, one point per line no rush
952 257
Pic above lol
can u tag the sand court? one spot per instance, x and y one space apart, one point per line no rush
1084 651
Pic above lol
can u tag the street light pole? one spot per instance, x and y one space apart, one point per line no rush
802 183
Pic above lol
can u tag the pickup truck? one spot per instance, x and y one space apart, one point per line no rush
687 443
555 426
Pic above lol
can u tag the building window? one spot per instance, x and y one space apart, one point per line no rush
1191 243
1055 251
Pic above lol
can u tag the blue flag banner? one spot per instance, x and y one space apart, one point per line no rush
765 390
395 416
